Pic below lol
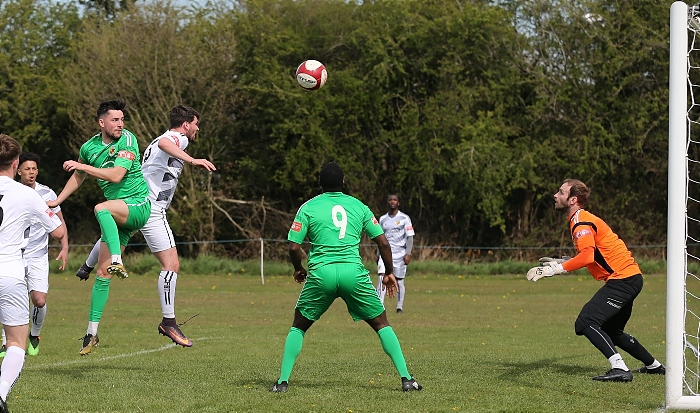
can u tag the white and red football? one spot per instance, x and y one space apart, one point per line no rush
311 75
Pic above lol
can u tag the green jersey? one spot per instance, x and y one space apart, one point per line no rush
334 223
124 153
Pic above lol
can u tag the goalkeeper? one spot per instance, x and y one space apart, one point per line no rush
602 320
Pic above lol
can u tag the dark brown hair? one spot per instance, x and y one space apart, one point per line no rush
181 114
9 151
579 190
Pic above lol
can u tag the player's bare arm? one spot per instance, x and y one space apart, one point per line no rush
72 185
296 254
409 249
389 281
59 233
114 174
169 147
63 254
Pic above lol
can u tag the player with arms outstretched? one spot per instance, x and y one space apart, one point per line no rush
162 165
112 156
603 319
334 223
20 208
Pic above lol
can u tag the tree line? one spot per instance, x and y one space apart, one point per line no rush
472 111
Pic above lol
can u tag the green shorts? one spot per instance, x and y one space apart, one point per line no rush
350 282
139 212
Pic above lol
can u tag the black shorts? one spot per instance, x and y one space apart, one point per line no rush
611 307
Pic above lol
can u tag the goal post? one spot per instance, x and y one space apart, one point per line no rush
683 233
676 232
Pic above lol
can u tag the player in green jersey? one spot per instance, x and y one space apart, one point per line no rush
334 223
111 156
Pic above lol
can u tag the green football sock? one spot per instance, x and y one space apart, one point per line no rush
292 348
100 293
109 231
391 346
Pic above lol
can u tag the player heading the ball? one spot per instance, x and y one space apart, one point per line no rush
112 156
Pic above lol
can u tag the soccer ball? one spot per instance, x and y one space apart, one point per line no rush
311 75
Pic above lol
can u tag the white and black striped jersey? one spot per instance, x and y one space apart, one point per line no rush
397 228
20 207
38 244
161 170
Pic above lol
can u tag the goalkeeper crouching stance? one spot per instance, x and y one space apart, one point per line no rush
602 320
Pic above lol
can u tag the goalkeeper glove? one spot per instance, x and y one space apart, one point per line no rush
561 260
549 269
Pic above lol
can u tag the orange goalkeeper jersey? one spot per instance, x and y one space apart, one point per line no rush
599 249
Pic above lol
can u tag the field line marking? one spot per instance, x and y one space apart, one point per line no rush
116 356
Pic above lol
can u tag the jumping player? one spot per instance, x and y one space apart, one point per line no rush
163 162
111 156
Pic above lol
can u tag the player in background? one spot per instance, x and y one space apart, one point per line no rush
20 208
162 165
111 156
36 254
334 223
603 319
398 229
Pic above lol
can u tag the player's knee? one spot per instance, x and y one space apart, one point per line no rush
176 265
379 322
621 339
171 266
581 324
39 302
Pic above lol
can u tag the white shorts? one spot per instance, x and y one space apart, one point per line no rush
14 296
37 274
157 232
399 268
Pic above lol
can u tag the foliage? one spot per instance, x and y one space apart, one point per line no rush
35 41
472 111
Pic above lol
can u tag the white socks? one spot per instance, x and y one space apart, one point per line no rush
616 362
38 316
11 368
380 288
94 255
400 293
166 290
92 327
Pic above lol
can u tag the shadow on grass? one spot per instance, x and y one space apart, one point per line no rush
326 384
553 365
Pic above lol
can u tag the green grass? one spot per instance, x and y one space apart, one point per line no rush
476 343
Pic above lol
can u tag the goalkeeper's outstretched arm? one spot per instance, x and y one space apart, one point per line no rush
583 258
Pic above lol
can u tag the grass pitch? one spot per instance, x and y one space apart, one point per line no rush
476 343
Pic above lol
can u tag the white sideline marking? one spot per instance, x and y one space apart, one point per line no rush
118 356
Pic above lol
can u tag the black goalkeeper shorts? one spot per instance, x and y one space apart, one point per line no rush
611 307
